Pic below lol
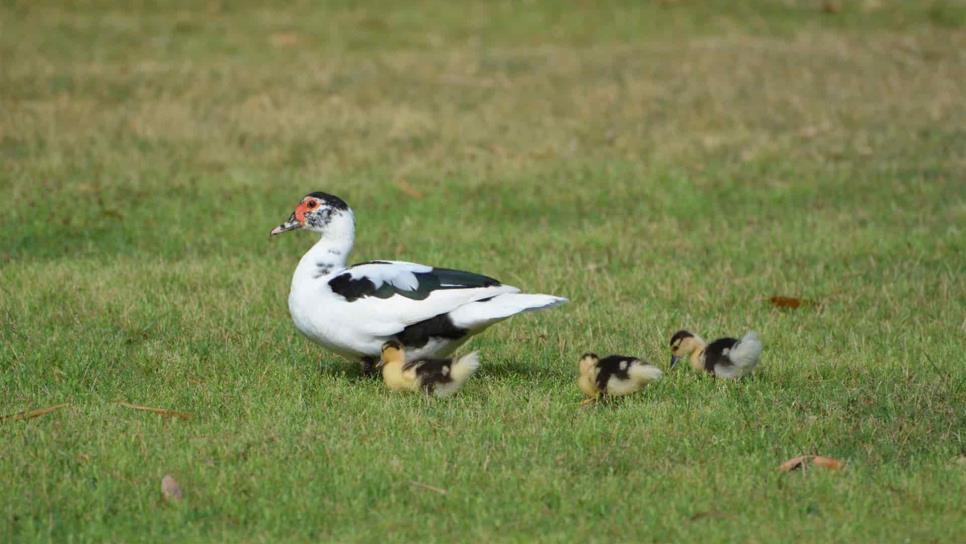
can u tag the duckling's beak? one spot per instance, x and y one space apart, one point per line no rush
674 360
291 224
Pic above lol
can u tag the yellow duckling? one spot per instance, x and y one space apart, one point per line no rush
438 377
727 358
614 375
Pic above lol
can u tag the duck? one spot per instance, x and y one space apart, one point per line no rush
435 377
352 310
727 358
614 375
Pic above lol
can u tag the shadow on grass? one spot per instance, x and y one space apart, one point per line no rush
345 370
509 369
352 371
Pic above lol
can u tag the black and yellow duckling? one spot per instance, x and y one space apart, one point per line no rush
614 375
727 358
436 377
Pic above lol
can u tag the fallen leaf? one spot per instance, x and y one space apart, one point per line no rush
284 39
802 461
434 489
170 488
788 302
407 188
160 411
30 414
793 463
499 150
827 462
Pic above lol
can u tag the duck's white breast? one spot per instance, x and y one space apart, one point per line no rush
321 316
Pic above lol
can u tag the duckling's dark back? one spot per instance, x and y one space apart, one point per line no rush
613 366
431 372
715 354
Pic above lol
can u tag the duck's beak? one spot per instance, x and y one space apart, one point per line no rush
291 224
674 360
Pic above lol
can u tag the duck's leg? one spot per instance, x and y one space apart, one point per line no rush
368 365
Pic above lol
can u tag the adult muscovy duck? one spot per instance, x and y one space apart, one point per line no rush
353 310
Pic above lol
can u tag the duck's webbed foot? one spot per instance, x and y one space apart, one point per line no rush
368 365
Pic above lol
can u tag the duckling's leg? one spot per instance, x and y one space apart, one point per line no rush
588 402
368 365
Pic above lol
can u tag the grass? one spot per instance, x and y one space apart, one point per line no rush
665 165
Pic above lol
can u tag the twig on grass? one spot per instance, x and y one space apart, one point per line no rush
160 411
30 414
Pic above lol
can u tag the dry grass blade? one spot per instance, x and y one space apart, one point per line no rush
160 411
439 490
30 414
407 188
170 488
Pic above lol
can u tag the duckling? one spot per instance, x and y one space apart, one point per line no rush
439 377
614 375
727 358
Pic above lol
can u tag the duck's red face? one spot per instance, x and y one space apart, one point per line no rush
301 216
315 212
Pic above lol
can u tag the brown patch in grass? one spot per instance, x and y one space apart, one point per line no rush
779 301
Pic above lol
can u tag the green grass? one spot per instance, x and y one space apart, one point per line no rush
664 165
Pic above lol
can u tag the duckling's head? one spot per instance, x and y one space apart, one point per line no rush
587 362
683 343
392 352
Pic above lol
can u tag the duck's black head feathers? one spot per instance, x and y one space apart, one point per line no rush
392 344
331 200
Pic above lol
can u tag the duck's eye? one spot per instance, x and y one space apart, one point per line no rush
311 204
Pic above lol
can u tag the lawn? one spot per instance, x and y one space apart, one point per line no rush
664 165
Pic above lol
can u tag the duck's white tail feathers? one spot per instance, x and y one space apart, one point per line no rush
746 353
464 367
645 373
481 314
